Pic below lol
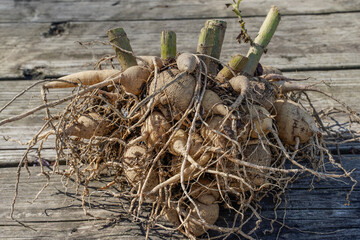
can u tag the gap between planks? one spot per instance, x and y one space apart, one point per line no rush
57 11
319 42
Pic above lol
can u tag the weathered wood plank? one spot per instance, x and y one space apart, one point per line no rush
318 42
306 224
85 230
58 211
113 10
12 157
25 129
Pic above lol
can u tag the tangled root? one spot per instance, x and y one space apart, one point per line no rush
183 160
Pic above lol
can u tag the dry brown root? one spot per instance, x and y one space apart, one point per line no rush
185 143
293 122
204 195
258 154
261 121
177 144
172 216
208 165
155 129
262 92
209 212
111 96
215 126
205 191
196 153
177 147
189 172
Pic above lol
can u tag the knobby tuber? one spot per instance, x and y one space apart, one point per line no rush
257 154
186 62
133 78
209 212
261 121
148 61
293 122
89 125
211 102
135 159
178 94
155 129
216 124
90 77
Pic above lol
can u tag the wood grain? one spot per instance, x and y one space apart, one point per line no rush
58 211
127 10
302 42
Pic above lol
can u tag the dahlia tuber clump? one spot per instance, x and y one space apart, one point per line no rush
186 132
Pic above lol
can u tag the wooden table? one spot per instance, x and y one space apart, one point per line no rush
42 39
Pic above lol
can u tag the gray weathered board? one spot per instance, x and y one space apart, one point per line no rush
44 38
39 38
317 214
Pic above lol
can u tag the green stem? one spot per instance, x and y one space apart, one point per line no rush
265 34
168 45
122 47
236 63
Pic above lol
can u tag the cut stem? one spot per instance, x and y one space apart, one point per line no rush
219 28
205 44
168 45
210 42
120 42
265 34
